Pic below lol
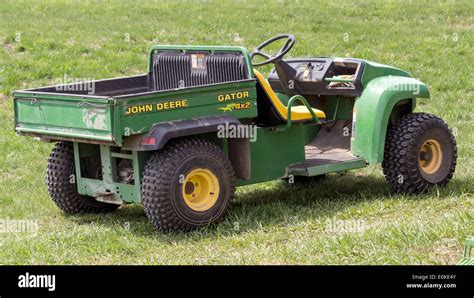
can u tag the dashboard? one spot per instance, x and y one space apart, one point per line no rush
320 76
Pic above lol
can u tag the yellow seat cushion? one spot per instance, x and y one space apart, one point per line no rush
303 113
298 113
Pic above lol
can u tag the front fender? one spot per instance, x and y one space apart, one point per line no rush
372 112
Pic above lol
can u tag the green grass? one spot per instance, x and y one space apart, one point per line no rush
271 223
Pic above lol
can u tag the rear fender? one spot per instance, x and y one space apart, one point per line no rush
160 133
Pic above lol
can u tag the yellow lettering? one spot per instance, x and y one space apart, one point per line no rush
139 109
167 105
233 96
180 103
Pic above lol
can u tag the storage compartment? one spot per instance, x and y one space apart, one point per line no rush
341 75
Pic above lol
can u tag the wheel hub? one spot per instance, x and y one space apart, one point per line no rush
431 156
200 189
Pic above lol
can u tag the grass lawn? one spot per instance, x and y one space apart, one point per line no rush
271 223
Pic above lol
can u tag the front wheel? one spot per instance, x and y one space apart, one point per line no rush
186 185
420 152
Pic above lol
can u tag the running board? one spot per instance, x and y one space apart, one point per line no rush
314 167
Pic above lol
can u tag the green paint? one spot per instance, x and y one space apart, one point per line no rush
111 119
59 115
328 168
64 117
201 101
468 258
129 193
275 149
373 109
301 99
374 70
338 80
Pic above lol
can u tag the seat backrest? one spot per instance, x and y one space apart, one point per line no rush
271 95
177 69
298 113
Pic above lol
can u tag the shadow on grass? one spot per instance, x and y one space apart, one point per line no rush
267 205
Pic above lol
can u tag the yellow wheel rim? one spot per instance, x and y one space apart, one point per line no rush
200 189
431 156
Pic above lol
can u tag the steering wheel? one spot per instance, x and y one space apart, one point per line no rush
272 58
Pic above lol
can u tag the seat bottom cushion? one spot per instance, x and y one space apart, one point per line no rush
302 113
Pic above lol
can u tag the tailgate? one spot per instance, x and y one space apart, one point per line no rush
57 116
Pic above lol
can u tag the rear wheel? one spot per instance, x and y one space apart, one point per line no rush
420 152
186 185
61 181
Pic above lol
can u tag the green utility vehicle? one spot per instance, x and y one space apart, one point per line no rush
203 120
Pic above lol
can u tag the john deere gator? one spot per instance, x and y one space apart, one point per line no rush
204 120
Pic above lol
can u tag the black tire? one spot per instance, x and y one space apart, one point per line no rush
404 155
162 186
60 178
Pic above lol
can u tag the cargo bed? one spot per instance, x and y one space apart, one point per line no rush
118 108
181 83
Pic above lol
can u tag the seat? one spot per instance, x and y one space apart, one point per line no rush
298 113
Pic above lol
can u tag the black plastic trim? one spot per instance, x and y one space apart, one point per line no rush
163 132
